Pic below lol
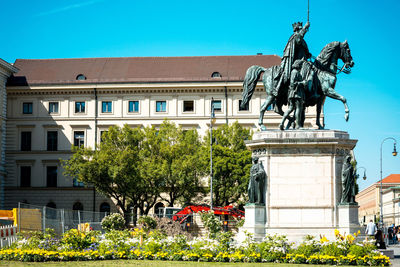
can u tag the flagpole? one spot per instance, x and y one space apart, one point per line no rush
308 10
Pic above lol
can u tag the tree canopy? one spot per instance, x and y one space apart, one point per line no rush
136 167
231 164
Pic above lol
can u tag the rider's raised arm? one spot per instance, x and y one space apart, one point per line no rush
305 29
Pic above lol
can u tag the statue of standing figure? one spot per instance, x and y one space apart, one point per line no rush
296 96
257 182
348 182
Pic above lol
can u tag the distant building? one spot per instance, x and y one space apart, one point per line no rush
56 103
369 201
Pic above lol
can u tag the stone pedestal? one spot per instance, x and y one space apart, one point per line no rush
303 187
348 218
255 220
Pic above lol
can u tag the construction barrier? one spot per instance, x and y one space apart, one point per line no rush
8 235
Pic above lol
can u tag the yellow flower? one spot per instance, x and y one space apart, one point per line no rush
323 239
337 232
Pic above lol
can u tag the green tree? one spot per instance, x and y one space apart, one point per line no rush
231 163
116 168
179 163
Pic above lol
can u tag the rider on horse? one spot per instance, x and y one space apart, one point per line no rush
296 48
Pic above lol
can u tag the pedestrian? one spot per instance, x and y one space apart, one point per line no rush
371 229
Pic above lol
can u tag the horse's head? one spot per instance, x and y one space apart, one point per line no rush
345 56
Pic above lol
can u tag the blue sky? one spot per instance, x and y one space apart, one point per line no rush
117 28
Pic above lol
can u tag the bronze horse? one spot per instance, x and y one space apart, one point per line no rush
323 82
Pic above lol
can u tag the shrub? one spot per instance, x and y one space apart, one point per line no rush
78 240
148 223
212 224
114 221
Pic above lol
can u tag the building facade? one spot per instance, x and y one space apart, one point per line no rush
56 103
6 70
369 201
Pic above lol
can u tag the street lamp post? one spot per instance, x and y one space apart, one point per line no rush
212 117
394 153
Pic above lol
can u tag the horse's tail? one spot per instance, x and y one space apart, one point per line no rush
249 83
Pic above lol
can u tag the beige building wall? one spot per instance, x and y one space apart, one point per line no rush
369 202
6 70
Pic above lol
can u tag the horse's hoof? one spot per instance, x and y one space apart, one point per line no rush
281 126
320 127
346 116
263 128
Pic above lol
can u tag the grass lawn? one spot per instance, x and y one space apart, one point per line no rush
142 263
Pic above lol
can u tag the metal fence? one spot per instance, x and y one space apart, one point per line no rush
38 218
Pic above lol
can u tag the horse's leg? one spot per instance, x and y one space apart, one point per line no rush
285 115
268 101
333 94
319 107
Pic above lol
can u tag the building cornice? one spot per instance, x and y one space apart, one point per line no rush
8 67
170 88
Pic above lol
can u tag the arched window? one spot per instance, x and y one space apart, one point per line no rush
81 77
77 206
77 214
105 207
158 210
216 74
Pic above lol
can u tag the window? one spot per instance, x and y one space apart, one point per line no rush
52 140
27 107
79 138
217 105
79 107
105 207
25 175
216 75
246 108
161 106
80 77
188 106
26 141
133 106
77 211
101 135
76 183
106 106
53 107
51 176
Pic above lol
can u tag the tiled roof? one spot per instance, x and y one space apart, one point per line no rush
392 179
136 69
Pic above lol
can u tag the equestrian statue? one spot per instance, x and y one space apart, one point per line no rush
309 85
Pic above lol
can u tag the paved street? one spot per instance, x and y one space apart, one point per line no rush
396 249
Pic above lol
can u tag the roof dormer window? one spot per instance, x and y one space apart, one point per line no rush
216 75
81 77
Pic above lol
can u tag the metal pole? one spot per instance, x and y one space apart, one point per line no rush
308 10
62 221
381 191
44 219
211 162
19 217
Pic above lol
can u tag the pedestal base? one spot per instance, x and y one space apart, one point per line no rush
348 218
254 221
303 185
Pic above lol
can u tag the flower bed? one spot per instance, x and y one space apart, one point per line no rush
91 245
